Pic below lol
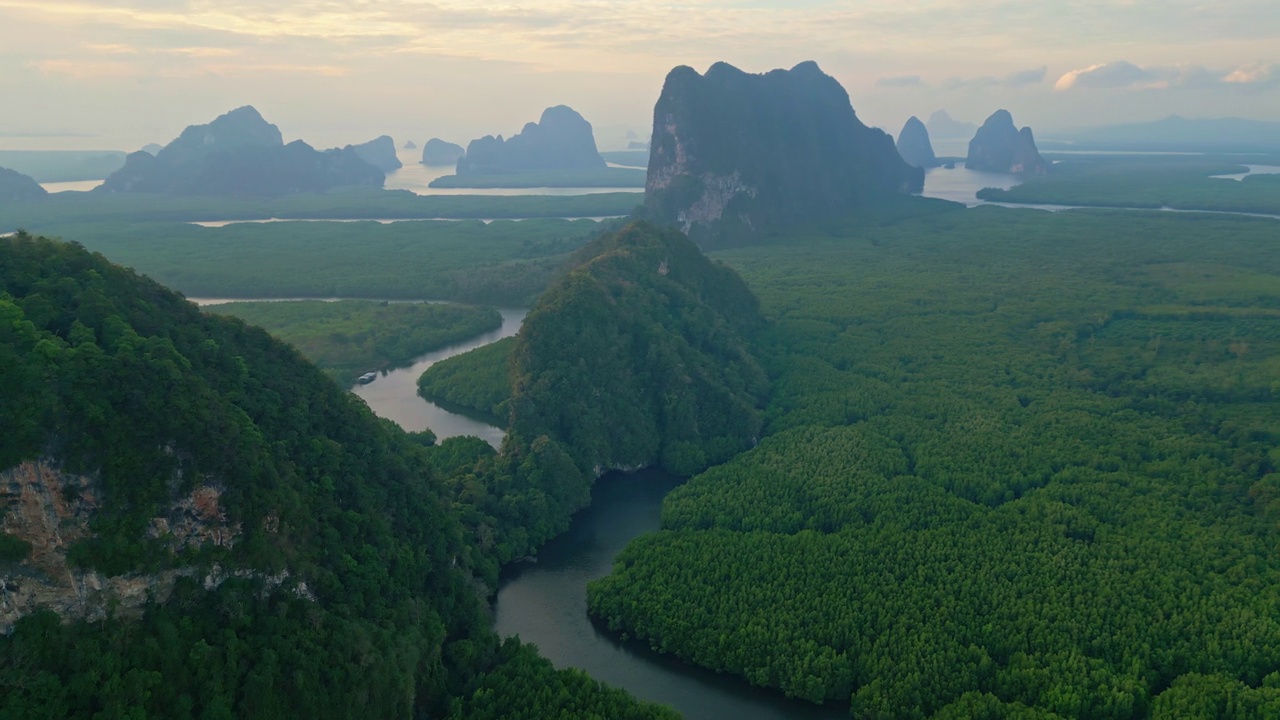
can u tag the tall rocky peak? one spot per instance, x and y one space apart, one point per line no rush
999 146
240 154
942 125
735 154
561 140
439 152
380 153
914 145
242 127
16 187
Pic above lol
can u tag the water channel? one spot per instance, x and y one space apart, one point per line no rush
545 603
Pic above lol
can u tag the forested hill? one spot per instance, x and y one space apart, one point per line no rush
197 523
638 357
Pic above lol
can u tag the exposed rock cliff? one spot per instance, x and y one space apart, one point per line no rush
380 153
439 152
240 154
16 187
735 154
914 145
561 140
51 511
999 146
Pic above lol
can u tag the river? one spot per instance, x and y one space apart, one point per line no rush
545 603
394 394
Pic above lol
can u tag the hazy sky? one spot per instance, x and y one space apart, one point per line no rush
130 72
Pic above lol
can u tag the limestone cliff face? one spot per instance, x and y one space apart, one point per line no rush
914 145
51 511
734 155
999 146
560 140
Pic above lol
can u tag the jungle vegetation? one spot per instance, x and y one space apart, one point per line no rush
347 591
349 337
77 208
1014 464
479 380
605 177
501 263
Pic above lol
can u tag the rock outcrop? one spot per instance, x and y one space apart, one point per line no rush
733 154
914 145
239 154
50 511
410 145
942 125
16 187
380 153
561 140
439 152
999 146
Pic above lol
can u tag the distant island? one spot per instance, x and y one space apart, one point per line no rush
557 151
560 140
379 152
410 145
439 152
914 146
736 155
999 146
240 154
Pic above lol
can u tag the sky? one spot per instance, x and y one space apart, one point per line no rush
103 74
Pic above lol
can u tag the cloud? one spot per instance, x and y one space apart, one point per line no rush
1125 75
1255 75
1119 74
900 81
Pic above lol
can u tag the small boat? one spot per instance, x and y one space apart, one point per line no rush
367 378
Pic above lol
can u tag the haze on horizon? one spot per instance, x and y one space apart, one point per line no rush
117 74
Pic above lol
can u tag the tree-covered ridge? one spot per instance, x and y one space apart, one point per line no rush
347 591
479 379
349 337
638 356
1015 465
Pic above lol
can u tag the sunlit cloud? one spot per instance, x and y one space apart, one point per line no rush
1125 75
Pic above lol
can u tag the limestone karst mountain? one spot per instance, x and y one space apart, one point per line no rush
999 146
734 154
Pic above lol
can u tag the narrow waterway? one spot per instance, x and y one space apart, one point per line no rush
394 394
545 603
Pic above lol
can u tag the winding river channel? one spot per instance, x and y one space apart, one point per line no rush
545 603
